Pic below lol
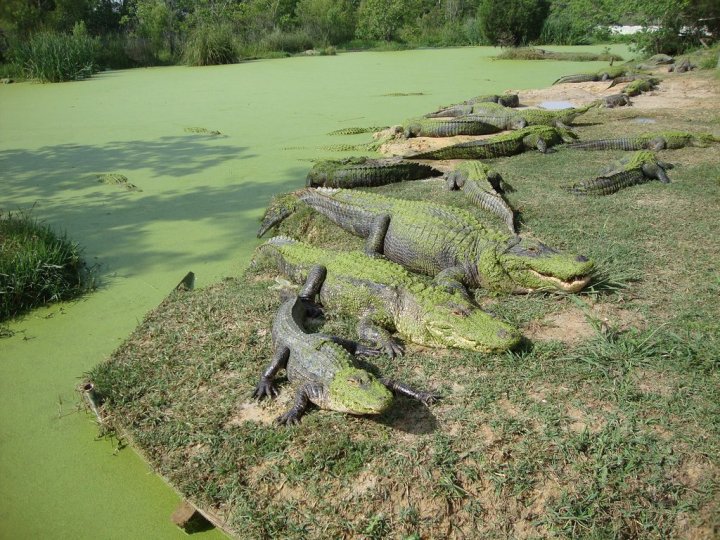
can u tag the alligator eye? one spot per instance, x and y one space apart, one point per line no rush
353 381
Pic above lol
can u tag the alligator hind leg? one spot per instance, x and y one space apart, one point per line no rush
355 348
396 387
451 279
266 386
311 289
368 330
303 397
376 238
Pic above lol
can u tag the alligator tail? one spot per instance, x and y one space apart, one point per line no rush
491 202
270 253
608 144
281 207
607 185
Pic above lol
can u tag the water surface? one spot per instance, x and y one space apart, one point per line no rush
198 210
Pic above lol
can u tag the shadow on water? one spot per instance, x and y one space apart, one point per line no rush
115 225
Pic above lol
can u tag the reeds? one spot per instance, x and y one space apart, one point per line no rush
56 57
37 265
211 44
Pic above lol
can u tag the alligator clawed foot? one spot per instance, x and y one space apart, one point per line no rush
364 350
428 398
288 419
265 388
393 349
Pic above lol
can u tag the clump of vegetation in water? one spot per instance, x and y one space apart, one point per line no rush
531 53
211 44
37 265
57 57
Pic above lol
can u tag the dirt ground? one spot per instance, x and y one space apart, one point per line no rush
676 91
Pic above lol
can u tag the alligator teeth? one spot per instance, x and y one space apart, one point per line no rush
572 286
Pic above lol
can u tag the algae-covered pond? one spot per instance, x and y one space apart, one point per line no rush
199 195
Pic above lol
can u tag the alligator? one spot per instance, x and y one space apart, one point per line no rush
504 118
668 140
366 172
682 67
481 184
639 168
385 297
323 367
450 127
638 86
632 78
506 100
593 77
614 100
445 242
484 187
505 144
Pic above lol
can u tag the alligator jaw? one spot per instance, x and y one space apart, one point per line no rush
570 286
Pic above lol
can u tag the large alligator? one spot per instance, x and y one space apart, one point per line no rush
638 86
614 100
461 125
366 172
505 144
666 140
504 118
481 184
385 297
467 106
639 168
441 241
323 368
602 75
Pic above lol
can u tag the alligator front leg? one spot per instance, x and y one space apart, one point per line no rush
396 387
452 280
303 397
368 330
376 238
266 386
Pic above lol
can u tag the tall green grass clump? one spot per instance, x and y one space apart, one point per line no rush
211 44
57 57
37 265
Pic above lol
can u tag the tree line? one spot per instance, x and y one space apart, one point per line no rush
127 33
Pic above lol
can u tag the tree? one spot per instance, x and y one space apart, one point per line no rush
329 21
512 22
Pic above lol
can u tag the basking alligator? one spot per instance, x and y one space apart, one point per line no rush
506 100
323 368
481 184
638 86
506 144
441 241
504 118
366 172
386 297
461 125
639 168
593 77
667 140
614 100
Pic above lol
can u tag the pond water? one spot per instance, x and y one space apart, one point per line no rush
202 195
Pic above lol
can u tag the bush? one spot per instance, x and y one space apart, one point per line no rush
56 57
290 42
512 22
329 22
36 266
380 19
211 44
115 52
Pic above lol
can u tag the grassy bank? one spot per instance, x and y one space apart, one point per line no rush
604 425
37 265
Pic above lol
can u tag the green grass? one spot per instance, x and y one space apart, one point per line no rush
37 266
56 57
607 428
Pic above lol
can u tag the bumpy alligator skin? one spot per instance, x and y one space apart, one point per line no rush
638 86
441 241
640 168
506 144
603 75
615 100
667 140
385 297
505 100
323 369
483 186
504 118
449 127
367 172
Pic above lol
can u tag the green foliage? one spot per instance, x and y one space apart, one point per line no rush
380 19
289 42
36 265
512 22
56 57
328 21
211 44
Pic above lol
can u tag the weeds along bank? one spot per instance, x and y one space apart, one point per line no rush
603 423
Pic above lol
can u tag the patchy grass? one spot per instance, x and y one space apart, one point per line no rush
612 432
37 266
